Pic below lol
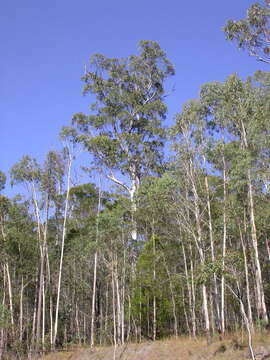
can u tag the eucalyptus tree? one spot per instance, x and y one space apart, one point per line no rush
19 260
3 310
124 131
29 172
243 109
46 186
21 254
86 202
4 213
189 146
156 270
252 33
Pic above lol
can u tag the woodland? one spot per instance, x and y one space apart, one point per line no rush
179 245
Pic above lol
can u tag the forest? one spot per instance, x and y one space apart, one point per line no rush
173 235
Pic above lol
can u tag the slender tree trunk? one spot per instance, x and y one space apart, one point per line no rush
261 307
245 318
175 326
62 248
213 257
43 315
123 293
7 272
51 322
21 310
135 183
198 241
185 313
260 302
92 340
193 295
33 338
129 318
106 308
247 281
113 307
77 323
2 331
188 289
101 324
10 295
41 268
40 297
154 298
118 307
224 247
140 316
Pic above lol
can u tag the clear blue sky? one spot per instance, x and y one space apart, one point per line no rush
45 44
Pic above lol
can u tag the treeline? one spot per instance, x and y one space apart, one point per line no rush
178 246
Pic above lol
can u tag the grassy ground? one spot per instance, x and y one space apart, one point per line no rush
233 347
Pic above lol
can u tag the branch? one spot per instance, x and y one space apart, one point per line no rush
264 60
118 182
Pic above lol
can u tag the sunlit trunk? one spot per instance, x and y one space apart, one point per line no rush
62 248
224 245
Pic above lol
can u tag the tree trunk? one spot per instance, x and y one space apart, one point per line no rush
175 326
2 331
113 307
261 307
21 311
154 288
247 281
10 295
198 240
224 247
62 248
213 258
260 301
92 340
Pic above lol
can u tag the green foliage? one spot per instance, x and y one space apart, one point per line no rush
4 317
182 212
125 130
2 180
252 33
20 242
27 170
52 175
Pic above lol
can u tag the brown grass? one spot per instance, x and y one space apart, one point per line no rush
232 347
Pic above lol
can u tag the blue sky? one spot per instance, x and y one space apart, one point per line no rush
45 45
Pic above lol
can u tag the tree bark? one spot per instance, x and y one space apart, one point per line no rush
62 247
92 340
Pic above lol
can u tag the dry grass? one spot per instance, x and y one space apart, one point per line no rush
232 347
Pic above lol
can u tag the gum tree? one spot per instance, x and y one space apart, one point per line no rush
252 33
243 109
124 131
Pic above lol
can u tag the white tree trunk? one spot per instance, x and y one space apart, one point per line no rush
224 247
213 257
260 301
62 248
92 340
2 332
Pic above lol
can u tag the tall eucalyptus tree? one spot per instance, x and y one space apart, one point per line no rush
124 132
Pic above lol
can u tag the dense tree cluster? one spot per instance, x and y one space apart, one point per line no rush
175 247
